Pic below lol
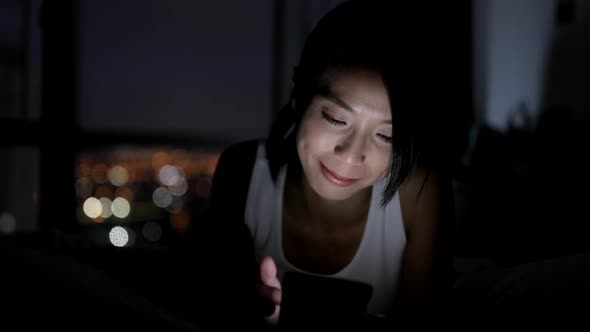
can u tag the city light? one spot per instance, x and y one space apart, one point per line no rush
169 175
119 236
152 231
162 197
125 192
160 159
83 187
106 207
120 207
7 223
92 207
104 190
99 173
118 176
180 221
159 182
176 205
179 188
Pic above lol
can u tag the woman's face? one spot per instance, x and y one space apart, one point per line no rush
344 141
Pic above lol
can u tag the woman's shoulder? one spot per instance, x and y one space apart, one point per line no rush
232 175
427 191
237 160
423 177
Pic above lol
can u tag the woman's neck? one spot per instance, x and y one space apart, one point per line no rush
317 209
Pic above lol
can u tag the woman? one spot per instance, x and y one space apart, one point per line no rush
343 186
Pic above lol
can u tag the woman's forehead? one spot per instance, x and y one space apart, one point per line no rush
357 88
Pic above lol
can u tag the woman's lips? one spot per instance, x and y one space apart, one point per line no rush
335 178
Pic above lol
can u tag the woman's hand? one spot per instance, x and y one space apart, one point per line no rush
270 289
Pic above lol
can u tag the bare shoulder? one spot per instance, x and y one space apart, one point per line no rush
427 210
421 179
426 194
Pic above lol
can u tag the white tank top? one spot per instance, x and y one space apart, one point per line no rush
378 258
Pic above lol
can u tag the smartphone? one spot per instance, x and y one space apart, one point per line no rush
312 302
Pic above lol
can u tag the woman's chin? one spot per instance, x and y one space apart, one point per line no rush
333 192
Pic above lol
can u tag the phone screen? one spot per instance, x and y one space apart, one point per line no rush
312 302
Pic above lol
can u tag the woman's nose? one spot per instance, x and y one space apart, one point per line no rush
352 149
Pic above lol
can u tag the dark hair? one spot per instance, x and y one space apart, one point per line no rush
356 34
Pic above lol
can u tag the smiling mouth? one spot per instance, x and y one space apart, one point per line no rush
335 178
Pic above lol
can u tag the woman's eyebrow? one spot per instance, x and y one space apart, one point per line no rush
326 92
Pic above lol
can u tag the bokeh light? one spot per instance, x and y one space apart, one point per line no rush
118 175
119 236
120 207
84 170
106 207
104 191
178 154
92 207
180 221
152 231
176 205
169 175
99 173
83 187
159 182
159 159
179 188
125 192
162 197
7 223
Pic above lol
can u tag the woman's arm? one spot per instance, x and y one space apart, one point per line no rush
223 232
426 283
224 246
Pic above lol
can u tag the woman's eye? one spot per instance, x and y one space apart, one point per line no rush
385 138
332 120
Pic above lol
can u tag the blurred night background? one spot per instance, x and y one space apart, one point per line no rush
113 115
